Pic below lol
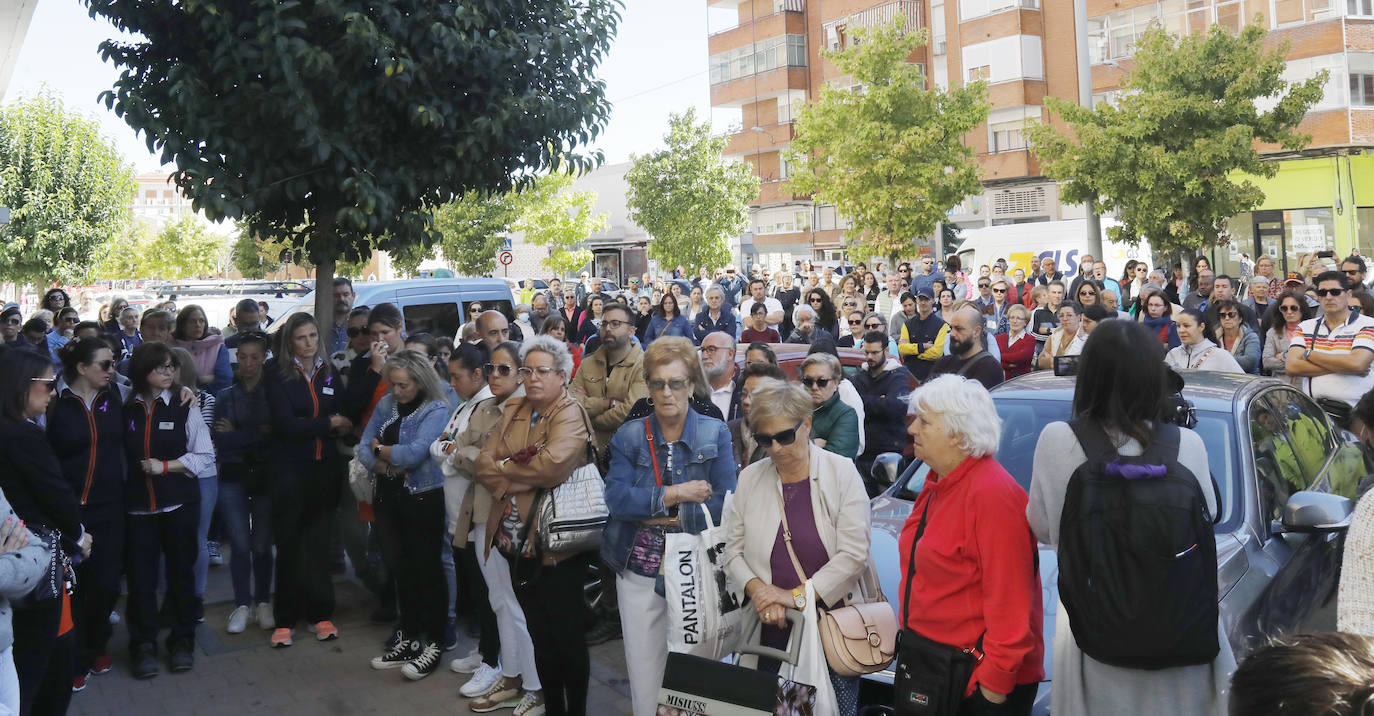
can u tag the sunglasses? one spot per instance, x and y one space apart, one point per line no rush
1351 272
103 364
984 285
657 385
504 370
874 326
855 323
782 438
51 383
1327 292
1087 293
812 382
13 322
1228 314
999 290
354 332
1290 309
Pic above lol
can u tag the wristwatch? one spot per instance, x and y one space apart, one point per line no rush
798 597
377 451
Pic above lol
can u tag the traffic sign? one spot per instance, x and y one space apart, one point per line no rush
506 258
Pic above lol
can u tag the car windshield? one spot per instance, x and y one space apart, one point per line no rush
1022 421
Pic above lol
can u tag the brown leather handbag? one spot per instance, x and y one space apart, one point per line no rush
859 638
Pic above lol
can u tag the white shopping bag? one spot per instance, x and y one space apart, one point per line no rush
705 615
811 667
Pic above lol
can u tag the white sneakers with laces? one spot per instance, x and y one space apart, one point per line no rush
481 682
467 664
238 619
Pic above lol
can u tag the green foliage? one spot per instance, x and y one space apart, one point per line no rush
688 197
1165 158
890 156
341 126
472 227
560 219
68 189
122 258
183 248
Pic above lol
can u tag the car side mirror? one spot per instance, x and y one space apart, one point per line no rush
1309 511
886 468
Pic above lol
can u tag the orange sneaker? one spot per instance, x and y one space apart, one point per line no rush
281 638
325 630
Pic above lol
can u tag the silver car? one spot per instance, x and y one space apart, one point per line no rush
1287 479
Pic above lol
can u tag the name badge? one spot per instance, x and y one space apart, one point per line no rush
327 390
166 426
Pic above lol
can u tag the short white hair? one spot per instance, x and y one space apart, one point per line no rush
558 350
804 310
966 408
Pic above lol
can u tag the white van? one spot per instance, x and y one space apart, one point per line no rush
1064 241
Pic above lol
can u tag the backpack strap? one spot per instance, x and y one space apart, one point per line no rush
1093 439
971 362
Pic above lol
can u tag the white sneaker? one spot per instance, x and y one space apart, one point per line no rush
114 618
238 619
481 681
266 620
531 704
467 664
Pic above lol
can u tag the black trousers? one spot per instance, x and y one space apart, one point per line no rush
304 497
97 582
473 586
549 595
1018 703
42 659
411 529
170 539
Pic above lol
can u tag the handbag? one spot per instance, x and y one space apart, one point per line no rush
1339 411
56 576
573 515
858 638
931 677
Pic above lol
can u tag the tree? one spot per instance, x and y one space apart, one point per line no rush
122 257
688 197
182 249
889 154
472 227
340 126
556 217
68 190
1167 157
255 258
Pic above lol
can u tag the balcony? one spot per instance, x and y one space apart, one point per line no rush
770 138
762 85
1004 166
778 23
780 8
839 30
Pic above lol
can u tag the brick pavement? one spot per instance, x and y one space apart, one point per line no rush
239 673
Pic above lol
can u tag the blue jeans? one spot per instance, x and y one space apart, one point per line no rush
248 524
209 492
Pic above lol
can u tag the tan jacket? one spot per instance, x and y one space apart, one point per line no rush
561 436
626 385
840 505
467 446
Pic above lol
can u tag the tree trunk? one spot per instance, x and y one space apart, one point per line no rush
324 297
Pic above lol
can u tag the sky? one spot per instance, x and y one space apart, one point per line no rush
656 65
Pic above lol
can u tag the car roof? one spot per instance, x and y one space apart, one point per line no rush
1206 390
472 283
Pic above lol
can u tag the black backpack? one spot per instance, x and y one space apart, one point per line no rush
1137 555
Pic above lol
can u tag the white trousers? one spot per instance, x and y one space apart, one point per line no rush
644 624
517 651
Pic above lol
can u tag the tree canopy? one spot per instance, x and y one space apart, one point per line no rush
339 126
688 198
184 248
67 187
889 153
473 228
559 218
1166 157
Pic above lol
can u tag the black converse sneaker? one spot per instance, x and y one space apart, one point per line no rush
398 656
424 663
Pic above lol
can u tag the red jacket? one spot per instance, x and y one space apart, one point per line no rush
1016 358
976 574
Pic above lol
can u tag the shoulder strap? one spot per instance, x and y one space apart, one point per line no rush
653 452
1093 439
968 365
787 537
911 563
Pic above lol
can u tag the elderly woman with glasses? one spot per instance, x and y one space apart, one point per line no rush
662 467
815 498
541 440
834 425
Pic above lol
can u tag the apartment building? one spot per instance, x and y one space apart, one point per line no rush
769 63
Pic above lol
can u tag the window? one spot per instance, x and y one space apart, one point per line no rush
1016 57
782 220
1308 432
1006 140
436 319
980 72
969 9
1277 467
1359 7
770 54
1361 89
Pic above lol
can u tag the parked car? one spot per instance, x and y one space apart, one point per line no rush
518 282
437 306
1287 480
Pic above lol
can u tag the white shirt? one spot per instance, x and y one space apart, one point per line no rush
1357 333
720 397
772 305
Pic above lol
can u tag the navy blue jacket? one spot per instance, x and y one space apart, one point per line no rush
89 444
248 411
158 433
300 407
32 480
704 325
885 405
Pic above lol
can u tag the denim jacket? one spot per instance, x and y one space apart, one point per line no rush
411 452
632 495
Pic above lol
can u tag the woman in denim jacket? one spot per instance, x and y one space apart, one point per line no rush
691 462
409 504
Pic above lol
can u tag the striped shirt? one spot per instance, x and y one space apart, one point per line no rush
1356 333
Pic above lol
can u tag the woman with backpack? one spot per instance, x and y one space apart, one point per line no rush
1178 665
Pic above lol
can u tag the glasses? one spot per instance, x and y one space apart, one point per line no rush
614 324
1087 293
999 290
815 299
504 369
984 285
1327 292
165 368
543 371
855 323
1351 272
814 382
782 438
1290 309
48 383
713 349
1228 314
874 326
354 332
657 385
103 364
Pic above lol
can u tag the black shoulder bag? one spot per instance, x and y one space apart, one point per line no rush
931 677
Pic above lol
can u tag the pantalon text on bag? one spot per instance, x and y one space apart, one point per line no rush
98 578
560 642
152 542
411 530
304 496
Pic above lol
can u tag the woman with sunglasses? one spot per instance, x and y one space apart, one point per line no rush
169 449
32 480
64 328
541 440
1088 291
648 497
821 499
834 425
1195 350
667 321
85 427
855 337
1282 327
1234 336
819 301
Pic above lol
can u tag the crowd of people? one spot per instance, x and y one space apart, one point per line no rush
139 443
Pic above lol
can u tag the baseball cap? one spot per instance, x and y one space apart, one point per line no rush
1294 277
11 309
924 292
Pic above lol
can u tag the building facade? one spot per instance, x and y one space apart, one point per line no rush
768 64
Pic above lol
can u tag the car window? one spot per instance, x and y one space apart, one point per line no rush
436 319
1308 431
1278 471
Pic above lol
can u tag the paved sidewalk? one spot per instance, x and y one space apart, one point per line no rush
239 673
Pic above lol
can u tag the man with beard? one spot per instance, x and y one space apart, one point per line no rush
343 303
718 360
967 357
884 387
611 379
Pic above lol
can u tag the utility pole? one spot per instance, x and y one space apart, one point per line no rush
1085 98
